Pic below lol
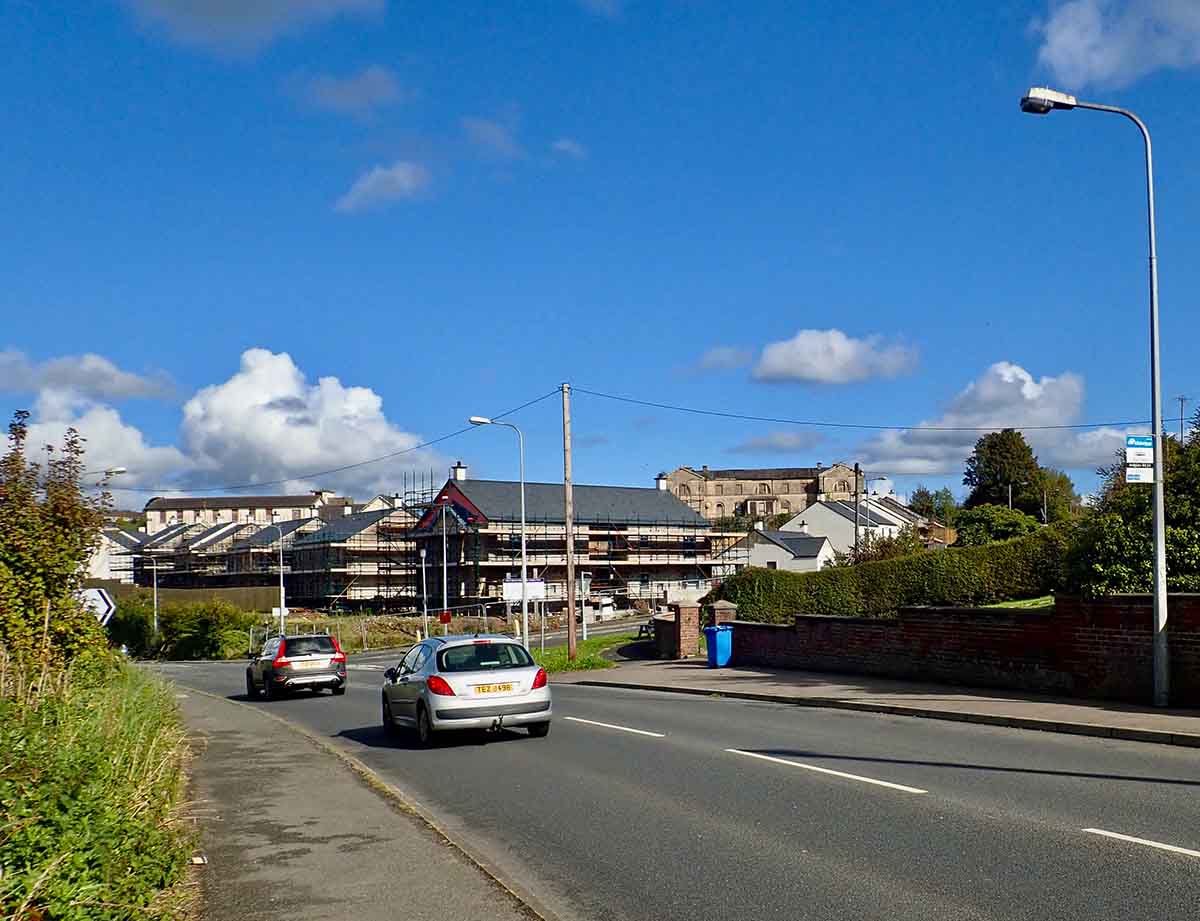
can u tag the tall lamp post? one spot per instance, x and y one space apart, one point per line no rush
282 602
484 420
1041 101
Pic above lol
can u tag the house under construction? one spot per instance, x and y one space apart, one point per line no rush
631 544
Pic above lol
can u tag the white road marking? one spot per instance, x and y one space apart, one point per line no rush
821 770
640 732
1146 841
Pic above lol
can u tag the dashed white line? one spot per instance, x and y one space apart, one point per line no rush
640 732
820 770
1143 841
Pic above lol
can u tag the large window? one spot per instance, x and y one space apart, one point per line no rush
764 489
684 492
720 509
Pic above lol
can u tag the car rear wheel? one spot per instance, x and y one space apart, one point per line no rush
251 690
424 726
339 690
539 730
269 691
389 723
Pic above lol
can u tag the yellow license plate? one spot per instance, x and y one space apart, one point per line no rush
492 688
311 663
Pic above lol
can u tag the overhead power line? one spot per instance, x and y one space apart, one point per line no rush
237 487
820 424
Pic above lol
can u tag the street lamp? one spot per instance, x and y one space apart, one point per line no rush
1041 101
484 420
282 606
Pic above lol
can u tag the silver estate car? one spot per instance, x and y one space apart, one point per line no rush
471 682
290 663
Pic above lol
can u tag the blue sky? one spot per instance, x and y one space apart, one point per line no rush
245 242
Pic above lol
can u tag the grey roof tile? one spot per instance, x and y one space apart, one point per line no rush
500 500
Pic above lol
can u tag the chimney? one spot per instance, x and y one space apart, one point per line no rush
458 472
802 527
660 481
704 470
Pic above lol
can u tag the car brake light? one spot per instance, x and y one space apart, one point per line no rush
438 685
280 659
539 680
339 657
482 642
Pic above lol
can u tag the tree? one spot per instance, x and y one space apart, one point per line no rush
775 522
1056 495
48 530
1002 460
905 543
985 524
945 506
921 501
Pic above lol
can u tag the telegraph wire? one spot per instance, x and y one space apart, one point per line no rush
809 423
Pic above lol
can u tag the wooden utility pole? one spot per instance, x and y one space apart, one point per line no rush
857 499
569 520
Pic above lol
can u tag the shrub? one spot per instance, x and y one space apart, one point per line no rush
195 630
90 782
985 524
1023 568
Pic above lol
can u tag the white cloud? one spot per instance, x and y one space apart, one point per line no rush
265 423
724 358
570 147
384 185
243 24
87 375
1115 42
778 443
1004 396
359 94
829 356
110 441
496 138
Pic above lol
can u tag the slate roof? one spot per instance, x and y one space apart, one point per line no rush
130 540
800 546
179 503
899 508
268 536
215 534
846 510
170 532
342 528
766 473
500 500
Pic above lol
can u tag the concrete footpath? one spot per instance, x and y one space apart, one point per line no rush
1106 719
291 831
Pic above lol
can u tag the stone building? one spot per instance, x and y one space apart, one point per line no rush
760 493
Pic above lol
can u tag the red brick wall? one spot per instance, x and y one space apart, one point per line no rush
1080 648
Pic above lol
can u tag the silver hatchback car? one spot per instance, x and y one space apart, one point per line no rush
472 682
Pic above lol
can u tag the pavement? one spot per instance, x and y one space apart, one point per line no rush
648 805
1105 719
291 831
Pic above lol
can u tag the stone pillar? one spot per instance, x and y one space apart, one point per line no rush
687 628
719 612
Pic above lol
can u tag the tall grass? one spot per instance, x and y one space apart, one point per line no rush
91 782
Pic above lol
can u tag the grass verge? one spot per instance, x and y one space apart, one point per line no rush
91 786
590 654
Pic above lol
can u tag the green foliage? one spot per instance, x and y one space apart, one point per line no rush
775 522
734 523
1022 568
905 543
986 524
1000 459
1114 553
1057 493
938 506
195 630
90 781
48 529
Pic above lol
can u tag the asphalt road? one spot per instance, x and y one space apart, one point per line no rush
736 809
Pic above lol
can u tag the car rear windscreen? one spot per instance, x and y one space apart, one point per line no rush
483 657
310 646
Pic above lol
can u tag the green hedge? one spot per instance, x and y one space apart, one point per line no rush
91 780
196 630
1022 568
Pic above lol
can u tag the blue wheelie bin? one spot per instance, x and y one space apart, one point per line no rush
719 641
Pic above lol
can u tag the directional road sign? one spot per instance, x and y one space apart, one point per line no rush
100 603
